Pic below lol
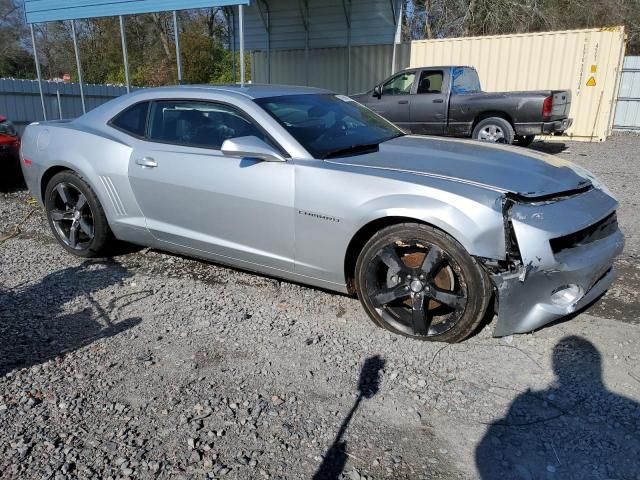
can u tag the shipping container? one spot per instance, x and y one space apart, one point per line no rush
587 62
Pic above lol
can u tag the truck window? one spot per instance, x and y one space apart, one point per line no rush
430 82
465 80
399 85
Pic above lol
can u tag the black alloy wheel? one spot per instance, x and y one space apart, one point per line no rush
417 281
75 215
72 217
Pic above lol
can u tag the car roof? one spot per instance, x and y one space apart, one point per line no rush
435 67
250 90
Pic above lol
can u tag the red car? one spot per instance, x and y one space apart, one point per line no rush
9 139
9 147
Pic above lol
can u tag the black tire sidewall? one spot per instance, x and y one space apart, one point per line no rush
102 232
509 133
478 285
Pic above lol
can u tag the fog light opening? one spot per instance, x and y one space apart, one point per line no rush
566 295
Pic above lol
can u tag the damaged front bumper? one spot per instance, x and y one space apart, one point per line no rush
567 250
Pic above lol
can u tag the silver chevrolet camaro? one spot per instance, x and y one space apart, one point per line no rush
310 186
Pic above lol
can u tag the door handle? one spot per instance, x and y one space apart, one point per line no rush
438 100
146 162
403 102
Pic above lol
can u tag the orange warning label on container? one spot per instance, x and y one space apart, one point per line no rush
591 82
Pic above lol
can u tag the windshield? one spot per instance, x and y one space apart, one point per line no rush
465 80
7 128
327 124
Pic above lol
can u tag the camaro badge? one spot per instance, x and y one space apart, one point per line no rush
318 216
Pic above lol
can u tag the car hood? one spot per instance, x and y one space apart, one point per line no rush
498 167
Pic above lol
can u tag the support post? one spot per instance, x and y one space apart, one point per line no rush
59 102
241 32
347 14
78 66
176 34
304 13
397 16
35 56
233 50
306 56
266 21
231 25
124 53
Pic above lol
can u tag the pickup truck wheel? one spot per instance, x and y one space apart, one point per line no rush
417 281
525 141
494 129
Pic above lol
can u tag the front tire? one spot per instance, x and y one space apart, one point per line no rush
494 130
417 281
75 216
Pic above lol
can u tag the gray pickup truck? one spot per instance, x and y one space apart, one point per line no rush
449 101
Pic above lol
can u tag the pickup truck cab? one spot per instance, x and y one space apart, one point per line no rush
449 101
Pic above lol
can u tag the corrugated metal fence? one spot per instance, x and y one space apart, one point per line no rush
20 99
587 62
628 109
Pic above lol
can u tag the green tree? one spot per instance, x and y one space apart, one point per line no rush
15 58
456 18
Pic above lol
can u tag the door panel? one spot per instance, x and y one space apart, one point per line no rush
429 104
236 208
395 99
392 107
194 196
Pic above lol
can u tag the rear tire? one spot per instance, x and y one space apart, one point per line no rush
417 281
76 218
494 130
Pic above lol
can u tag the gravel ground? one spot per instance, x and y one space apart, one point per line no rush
150 365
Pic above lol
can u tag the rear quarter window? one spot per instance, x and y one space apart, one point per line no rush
465 80
133 120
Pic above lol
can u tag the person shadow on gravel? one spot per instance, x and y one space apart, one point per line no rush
368 385
576 429
35 326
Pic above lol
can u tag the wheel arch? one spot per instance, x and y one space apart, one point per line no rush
63 166
48 175
80 167
359 240
491 113
369 229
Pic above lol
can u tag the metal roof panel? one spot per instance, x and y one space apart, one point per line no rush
51 10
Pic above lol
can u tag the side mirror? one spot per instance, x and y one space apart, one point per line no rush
251 147
377 91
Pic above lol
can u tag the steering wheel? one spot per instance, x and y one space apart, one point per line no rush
337 130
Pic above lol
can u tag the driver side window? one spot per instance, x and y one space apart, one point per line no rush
399 85
198 124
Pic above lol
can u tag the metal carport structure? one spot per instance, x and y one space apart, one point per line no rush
270 24
277 25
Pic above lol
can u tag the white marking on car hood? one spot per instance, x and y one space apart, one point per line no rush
497 167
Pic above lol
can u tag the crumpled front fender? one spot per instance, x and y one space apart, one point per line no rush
525 296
